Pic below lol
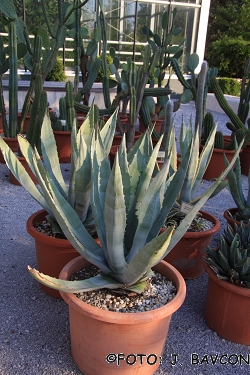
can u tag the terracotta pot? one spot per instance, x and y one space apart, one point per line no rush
12 143
1 122
112 153
229 219
81 117
158 124
217 165
95 333
227 309
186 256
25 124
245 160
52 253
63 144
23 161
118 138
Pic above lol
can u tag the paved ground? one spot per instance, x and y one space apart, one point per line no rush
34 328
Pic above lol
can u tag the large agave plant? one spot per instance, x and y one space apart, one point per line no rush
232 259
78 192
129 208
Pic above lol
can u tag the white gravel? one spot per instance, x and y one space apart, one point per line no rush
34 328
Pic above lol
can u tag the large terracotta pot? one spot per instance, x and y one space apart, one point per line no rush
63 144
23 161
97 333
227 309
12 143
187 254
52 253
217 165
245 159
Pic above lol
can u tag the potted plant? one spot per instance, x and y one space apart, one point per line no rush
227 300
15 51
186 255
242 210
78 192
238 122
129 208
222 146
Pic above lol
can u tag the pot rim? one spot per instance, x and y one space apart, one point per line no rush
208 232
226 284
118 317
222 151
41 236
61 132
231 210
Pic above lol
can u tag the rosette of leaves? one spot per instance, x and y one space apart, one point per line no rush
231 260
129 208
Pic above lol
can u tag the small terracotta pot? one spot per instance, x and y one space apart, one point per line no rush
1 122
12 143
112 153
227 309
217 165
157 123
118 138
229 219
63 144
52 253
25 124
23 161
96 333
187 254
245 160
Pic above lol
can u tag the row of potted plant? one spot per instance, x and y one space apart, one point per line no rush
128 209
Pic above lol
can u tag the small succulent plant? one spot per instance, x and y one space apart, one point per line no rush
232 259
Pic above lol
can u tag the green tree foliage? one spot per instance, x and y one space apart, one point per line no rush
228 20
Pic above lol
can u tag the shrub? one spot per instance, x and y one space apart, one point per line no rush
100 75
229 55
57 74
229 86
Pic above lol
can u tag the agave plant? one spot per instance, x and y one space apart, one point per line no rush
196 168
129 208
235 188
231 261
78 193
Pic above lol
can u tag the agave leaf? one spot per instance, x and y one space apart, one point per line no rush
21 174
144 169
224 262
185 193
243 267
172 190
123 163
233 186
150 206
182 228
147 257
69 221
115 220
50 156
108 131
97 282
203 161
